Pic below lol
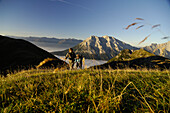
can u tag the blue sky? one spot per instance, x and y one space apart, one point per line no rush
83 18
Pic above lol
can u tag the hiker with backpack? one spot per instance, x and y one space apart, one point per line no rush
71 56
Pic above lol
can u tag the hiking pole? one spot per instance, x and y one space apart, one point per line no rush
83 62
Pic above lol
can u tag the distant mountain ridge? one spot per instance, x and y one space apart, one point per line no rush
159 49
51 44
46 39
99 48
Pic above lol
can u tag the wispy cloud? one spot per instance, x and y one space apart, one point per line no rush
69 3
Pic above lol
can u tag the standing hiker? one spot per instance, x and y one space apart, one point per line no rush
78 61
71 55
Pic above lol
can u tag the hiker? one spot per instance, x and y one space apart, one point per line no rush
78 61
71 55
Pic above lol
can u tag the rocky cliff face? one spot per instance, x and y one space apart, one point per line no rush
159 49
100 48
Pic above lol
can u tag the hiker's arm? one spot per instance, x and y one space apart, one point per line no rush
67 55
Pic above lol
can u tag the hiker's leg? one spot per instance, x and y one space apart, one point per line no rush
77 65
80 65
71 65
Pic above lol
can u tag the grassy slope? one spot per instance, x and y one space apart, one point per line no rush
138 59
86 90
126 55
20 54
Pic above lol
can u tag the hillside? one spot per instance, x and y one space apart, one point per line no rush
51 44
127 54
20 54
159 49
125 91
137 59
99 48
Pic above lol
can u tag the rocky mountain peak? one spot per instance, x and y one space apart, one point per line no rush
102 48
159 49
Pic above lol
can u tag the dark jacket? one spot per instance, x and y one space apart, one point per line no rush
71 56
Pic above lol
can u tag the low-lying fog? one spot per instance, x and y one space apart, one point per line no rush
88 62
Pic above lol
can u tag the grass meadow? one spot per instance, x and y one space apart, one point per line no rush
87 90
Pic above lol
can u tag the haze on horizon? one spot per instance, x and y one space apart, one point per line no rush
83 18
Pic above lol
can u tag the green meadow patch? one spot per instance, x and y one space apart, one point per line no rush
86 91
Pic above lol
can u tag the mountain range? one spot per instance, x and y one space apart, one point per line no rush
159 49
51 44
99 48
93 48
17 54
106 47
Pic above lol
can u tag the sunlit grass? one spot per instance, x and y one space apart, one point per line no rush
86 90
